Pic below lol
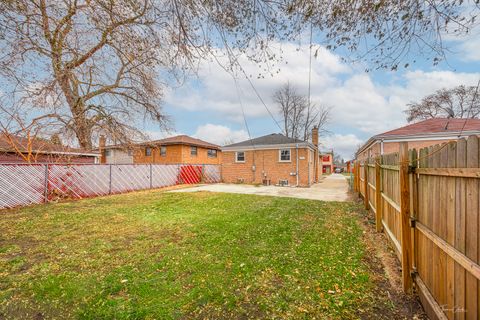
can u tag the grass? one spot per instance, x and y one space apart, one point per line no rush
155 255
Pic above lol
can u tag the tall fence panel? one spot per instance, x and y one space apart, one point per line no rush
25 184
22 185
443 202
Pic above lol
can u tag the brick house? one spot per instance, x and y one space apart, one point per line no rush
326 162
17 149
180 149
272 159
419 135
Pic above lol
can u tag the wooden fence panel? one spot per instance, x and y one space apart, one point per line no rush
444 202
390 185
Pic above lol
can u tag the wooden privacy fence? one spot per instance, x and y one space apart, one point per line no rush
427 203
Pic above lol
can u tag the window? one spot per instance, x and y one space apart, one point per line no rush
108 152
163 151
193 151
284 155
130 152
240 156
212 153
148 151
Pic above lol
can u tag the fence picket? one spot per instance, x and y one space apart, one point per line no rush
445 203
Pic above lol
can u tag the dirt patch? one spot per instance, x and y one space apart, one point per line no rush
384 264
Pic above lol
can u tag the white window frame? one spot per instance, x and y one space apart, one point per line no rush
163 154
192 153
214 153
236 157
280 155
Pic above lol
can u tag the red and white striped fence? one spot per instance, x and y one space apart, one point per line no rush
25 184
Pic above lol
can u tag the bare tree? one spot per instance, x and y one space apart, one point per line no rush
298 116
101 65
91 63
458 102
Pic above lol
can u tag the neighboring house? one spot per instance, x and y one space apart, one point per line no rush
419 135
326 162
271 159
17 149
179 149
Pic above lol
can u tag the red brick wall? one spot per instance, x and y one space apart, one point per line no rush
267 166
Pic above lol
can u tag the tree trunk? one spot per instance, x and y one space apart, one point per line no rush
82 128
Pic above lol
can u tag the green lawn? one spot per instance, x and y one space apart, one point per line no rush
155 255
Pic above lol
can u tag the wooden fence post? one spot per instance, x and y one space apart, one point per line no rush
378 194
405 218
365 184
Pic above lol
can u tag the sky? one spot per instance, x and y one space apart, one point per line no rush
211 105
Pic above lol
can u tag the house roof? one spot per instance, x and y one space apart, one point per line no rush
431 128
180 139
12 143
274 139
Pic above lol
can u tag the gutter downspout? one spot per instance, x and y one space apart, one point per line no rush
381 147
296 173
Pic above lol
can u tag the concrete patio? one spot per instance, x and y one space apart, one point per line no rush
333 188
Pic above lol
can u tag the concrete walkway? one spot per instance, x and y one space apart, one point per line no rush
333 188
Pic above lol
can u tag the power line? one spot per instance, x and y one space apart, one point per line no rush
310 66
258 95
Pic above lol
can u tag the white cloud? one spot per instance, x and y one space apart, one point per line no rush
466 47
219 134
219 92
362 106
156 135
342 144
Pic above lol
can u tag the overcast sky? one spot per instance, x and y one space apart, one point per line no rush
364 104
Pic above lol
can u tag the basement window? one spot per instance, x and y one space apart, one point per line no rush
284 155
240 156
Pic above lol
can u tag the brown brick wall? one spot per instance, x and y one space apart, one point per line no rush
176 154
267 166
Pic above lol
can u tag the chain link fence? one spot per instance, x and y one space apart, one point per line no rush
25 184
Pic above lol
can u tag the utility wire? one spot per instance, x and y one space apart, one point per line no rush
310 66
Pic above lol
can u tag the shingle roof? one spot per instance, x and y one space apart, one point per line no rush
183 139
270 139
9 142
437 126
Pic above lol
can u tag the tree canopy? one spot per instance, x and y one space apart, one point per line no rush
458 102
101 66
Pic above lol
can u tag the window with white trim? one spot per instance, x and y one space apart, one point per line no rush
193 151
163 151
240 156
212 153
284 155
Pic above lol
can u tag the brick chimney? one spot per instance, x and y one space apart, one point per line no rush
315 136
101 147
